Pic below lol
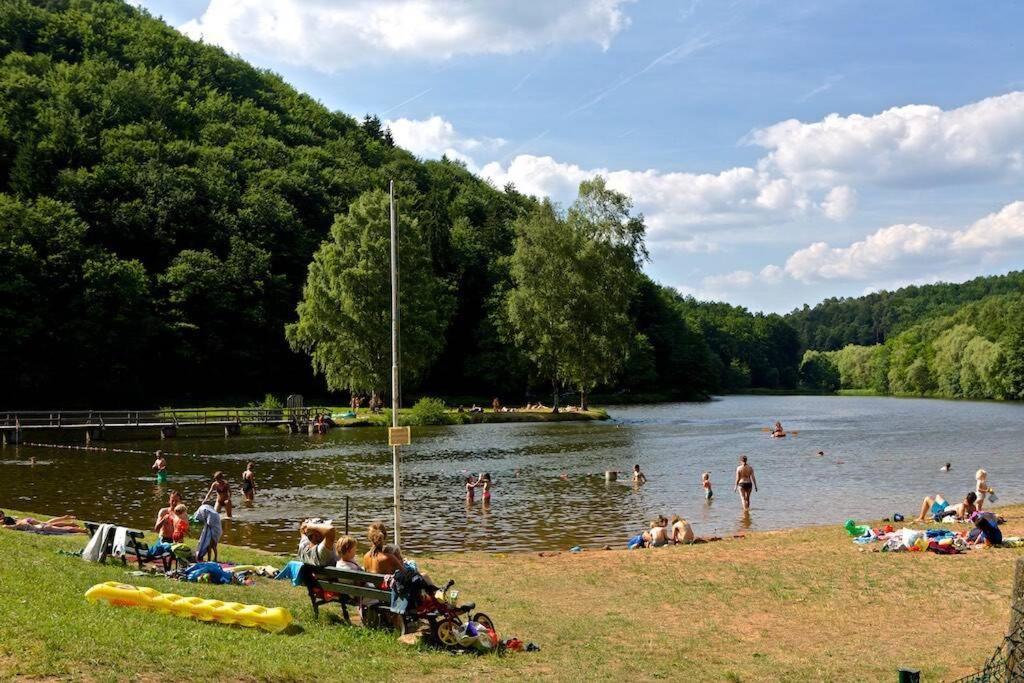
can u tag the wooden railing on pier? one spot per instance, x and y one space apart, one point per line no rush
168 421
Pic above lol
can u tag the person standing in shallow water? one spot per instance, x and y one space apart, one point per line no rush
745 481
160 467
248 483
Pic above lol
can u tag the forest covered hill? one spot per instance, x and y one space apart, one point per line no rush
160 202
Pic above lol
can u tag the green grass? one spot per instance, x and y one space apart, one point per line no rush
797 605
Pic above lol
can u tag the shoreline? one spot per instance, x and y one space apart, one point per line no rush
800 604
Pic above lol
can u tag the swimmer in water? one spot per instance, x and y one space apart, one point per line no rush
706 483
639 477
945 468
470 489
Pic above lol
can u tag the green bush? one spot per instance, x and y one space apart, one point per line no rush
428 411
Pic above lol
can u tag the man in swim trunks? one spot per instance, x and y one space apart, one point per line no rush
165 517
745 481
248 483
160 465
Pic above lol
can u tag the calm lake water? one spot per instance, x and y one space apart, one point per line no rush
882 455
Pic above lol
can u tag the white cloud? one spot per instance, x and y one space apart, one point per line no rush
881 253
328 35
995 230
435 137
840 202
914 145
901 253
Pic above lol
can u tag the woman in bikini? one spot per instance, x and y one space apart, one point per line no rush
745 481
66 524
222 488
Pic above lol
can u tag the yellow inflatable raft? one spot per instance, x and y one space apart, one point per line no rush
273 619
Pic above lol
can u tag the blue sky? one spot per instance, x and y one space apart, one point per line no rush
782 152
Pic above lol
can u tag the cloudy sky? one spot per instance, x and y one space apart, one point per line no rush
782 152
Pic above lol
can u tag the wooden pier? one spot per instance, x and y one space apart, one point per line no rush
93 423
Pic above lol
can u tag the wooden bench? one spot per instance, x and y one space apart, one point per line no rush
133 544
345 587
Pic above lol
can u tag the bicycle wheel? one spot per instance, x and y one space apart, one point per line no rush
446 631
484 621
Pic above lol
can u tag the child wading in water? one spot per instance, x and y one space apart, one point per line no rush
160 466
485 481
471 485
706 482
638 476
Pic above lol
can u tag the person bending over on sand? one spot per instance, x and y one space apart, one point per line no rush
682 532
249 483
316 543
66 524
222 488
745 481
938 508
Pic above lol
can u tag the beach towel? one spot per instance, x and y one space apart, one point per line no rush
94 548
291 571
212 530
120 541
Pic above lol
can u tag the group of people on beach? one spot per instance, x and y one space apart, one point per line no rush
320 546
220 489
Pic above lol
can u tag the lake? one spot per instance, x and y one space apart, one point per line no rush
882 455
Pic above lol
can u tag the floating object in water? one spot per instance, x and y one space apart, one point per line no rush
273 619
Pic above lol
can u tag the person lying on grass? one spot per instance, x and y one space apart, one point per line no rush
66 524
938 508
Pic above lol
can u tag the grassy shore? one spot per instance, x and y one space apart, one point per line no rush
795 605
365 418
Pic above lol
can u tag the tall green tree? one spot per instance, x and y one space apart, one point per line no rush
574 280
344 317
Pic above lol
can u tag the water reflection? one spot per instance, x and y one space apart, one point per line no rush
879 456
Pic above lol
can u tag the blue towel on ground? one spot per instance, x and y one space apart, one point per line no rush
216 572
290 571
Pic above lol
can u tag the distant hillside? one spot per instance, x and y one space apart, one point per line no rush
874 318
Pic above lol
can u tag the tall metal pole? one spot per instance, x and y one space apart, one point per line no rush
394 362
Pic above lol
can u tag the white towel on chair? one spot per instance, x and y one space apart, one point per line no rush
94 548
120 541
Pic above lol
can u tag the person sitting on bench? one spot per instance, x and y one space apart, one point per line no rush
316 543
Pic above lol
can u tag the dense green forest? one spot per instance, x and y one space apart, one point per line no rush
976 352
161 203
873 318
